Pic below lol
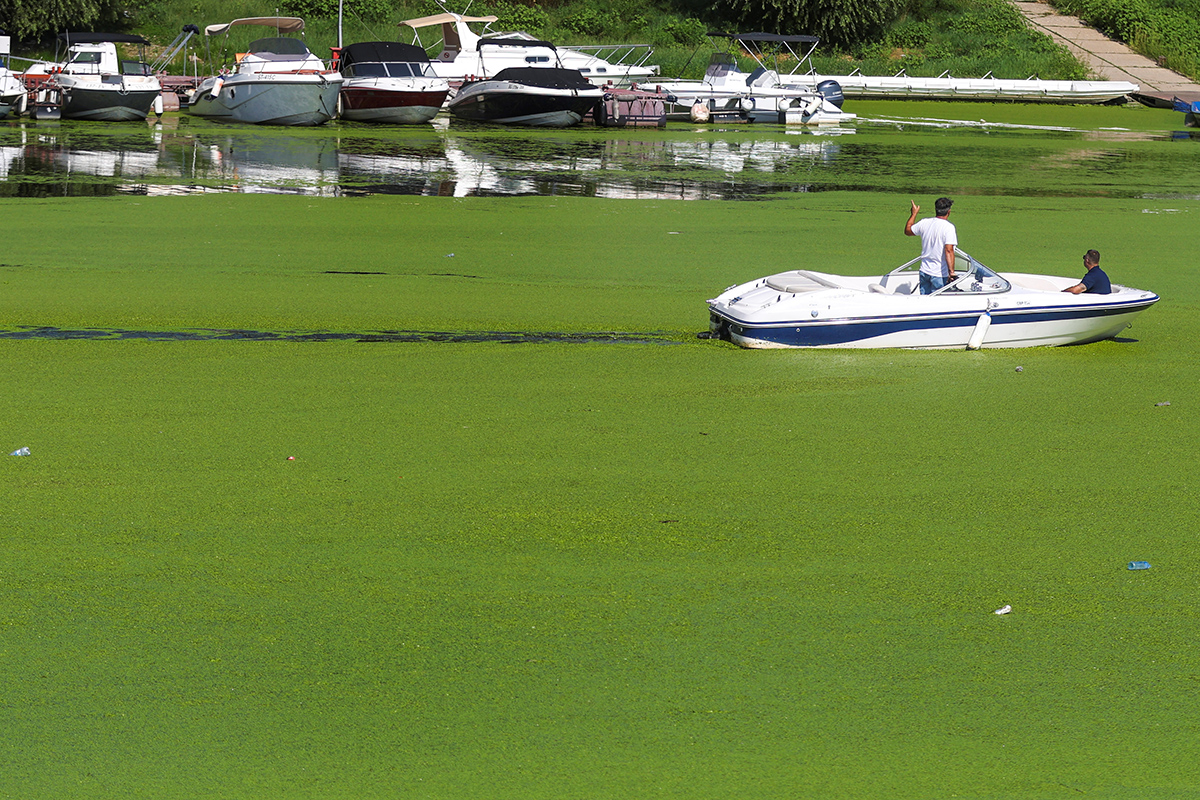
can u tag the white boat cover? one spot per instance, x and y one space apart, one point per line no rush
441 19
282 24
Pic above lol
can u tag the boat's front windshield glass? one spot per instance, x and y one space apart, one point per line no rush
984 280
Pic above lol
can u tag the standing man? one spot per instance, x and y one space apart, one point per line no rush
1095 281
938 239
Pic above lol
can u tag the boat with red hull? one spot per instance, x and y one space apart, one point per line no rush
389 82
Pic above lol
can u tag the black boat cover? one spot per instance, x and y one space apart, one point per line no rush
95 38
550 77
505 42
383 51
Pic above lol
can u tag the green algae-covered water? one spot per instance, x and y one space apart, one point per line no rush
249 559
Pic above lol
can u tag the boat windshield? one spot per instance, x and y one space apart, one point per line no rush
982 280
394 69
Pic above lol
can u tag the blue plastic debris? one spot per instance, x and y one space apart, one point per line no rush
1139 565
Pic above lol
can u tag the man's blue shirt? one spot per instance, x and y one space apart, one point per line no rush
1096 282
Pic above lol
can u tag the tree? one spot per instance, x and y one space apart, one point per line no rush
29 19
837 22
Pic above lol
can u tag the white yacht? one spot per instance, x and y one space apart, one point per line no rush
460 58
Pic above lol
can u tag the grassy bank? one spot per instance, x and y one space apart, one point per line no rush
680 570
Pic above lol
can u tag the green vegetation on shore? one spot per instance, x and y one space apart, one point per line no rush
962 37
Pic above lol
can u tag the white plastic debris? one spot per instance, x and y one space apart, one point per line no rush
1003 610
24 451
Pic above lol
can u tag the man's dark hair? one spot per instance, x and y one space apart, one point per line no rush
942 206
1093 256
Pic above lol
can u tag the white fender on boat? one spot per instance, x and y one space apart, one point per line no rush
23 103
216 87
158 105
700 112
981 329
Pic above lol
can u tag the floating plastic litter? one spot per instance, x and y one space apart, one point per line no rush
1139 565
24 451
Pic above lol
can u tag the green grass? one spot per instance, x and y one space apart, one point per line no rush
543 571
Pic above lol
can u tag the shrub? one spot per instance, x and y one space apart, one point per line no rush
521 18
686 31
328 9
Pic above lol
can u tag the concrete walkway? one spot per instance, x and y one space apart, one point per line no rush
1110 60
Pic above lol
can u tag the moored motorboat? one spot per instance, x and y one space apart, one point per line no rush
980 309
278 81
542 96
96 84
389 82
728 92
13 95
460 57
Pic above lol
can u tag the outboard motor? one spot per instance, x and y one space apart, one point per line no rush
832 91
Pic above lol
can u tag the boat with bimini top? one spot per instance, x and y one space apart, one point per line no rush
460 58
981 308
727 91
278 81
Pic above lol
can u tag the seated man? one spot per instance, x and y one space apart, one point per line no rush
1095 280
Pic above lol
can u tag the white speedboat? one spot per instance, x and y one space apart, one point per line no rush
982 308
760 96
542 96
460 59
278 81
96 84
389 82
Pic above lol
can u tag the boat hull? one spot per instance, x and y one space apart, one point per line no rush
268 98
509 103
1033 328
107 102
376 104
840 312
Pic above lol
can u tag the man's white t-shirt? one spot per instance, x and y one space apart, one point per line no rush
935 234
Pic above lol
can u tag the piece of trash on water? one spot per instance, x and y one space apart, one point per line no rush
24 451
1139 565
672 233
449 255
1163 403
1019 369
1003 610
291 458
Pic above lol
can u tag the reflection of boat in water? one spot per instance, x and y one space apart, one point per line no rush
277 82
275 164
460 58
982 308
726 91
389 82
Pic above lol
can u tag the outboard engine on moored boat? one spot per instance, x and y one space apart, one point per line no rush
831 90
